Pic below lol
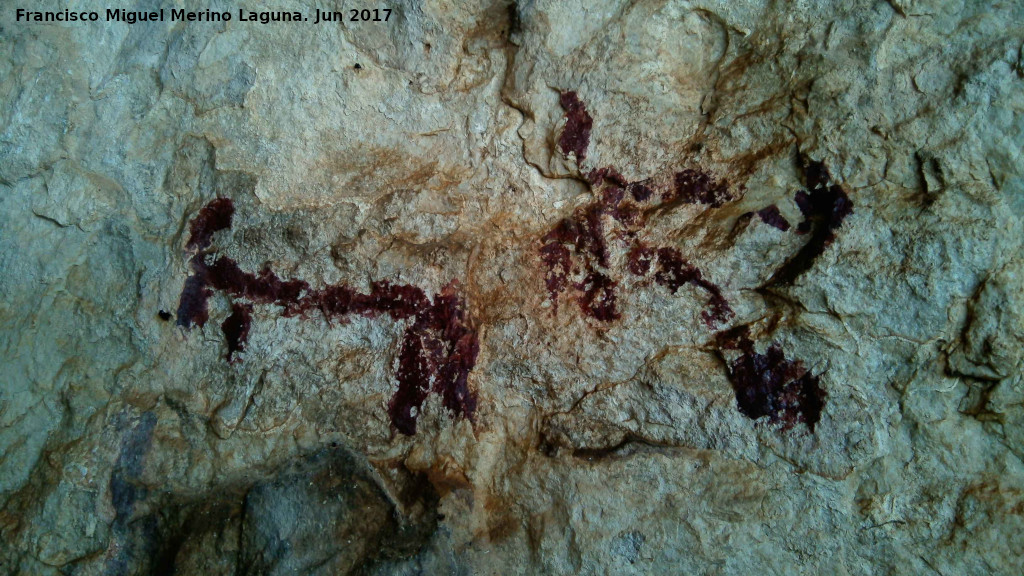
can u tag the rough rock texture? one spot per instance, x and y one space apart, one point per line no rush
548 286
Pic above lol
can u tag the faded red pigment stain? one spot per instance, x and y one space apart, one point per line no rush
674 271
579 246
766 385
438 351
598 298
639 259
771 386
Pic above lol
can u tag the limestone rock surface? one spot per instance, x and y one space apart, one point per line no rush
514 287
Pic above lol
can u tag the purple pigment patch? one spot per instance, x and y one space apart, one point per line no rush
415 364
598 176
263 288
558 261
828 205
598 298
439 347
578 124
766 385
583 233
591 228
192 304
771 216
639 259
236 329
213 217
640 192
824 209
674 271
579 245
399 301
694 187
612 196
769 385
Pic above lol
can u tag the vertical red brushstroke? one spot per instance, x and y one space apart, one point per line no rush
578 124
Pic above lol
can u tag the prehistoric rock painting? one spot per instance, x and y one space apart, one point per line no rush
438 350
769 385
576 259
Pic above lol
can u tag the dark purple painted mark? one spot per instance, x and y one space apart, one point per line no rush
771 216
592 233
694 187
598 299
639 258
824 209
576 134
630 215
585 234
414 368
440 346
558 262
674 271
612 196
236 329
640 192
192 305
769 385
397 300
584 237
263 288
597 176
766 385
213 217
826 204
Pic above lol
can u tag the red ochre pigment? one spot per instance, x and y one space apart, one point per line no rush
438 350
766 384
